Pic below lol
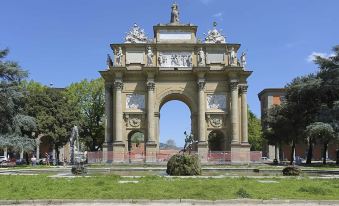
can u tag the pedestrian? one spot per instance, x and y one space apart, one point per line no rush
47 158
33 160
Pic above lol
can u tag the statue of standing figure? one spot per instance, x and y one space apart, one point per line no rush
233 57
243 59
149 56
118 56
175 13
74 143
201 57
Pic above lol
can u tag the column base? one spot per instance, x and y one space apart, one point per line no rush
118 152
107 149
151 152
203 151
240 153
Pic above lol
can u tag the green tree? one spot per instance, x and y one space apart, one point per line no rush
323 132
88 99
15 128
255 136
54 115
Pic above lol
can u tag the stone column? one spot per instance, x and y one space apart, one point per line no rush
234 111
21 154
201 86
150 111
6 152
37 155
108 122
244 120
118 86
118 144
202 144
151 144
109 113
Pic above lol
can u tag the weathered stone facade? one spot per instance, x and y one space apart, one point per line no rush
175 65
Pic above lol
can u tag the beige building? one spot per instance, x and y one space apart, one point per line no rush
206 75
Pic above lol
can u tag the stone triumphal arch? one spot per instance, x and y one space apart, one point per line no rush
206 75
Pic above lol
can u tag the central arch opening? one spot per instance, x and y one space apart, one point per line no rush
175 119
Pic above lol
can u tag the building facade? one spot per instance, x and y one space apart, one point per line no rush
274 96
208 76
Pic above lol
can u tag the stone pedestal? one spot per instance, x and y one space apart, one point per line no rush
203 151
240 153
118 152
151 152
107 149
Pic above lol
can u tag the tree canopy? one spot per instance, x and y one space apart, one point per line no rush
87 98
15 127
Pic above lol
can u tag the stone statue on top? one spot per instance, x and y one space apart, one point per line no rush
175 14
214 36
136 35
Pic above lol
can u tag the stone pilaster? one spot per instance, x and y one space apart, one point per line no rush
234 111
244 120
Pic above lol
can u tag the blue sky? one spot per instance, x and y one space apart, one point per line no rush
64 41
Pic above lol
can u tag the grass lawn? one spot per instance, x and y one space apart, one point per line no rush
152 187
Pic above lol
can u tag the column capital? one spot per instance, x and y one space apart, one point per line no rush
150 85
243 88
201 84
234 84
118 85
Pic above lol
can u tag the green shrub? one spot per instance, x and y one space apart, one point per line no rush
242 193
78 170
291 171
183 165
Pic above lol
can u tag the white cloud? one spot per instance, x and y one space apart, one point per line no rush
219 14
312 56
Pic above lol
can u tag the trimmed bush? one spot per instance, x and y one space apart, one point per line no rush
78 170
242 193
183 165
291 171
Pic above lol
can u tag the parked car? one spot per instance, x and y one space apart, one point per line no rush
21 162
3 159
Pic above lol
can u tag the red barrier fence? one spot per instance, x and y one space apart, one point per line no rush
213 157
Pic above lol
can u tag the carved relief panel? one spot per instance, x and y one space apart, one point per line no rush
215 120
216 101
175 59
134 120
135 101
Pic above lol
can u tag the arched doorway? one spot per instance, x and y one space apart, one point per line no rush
175 119
136 145
178 113
216 141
